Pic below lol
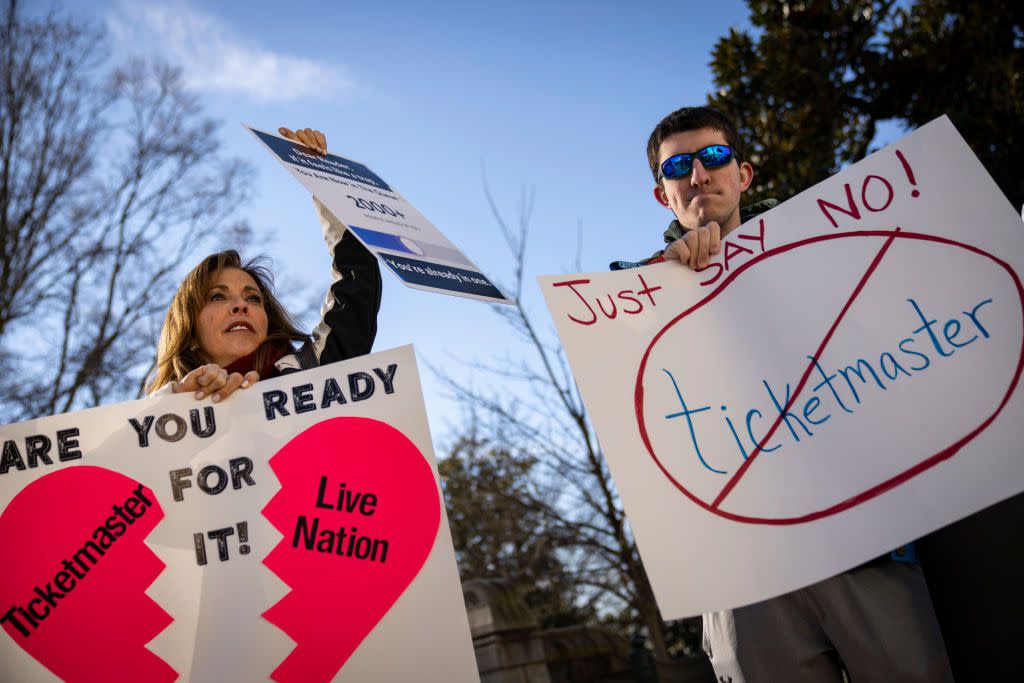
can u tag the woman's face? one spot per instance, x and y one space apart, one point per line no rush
233 322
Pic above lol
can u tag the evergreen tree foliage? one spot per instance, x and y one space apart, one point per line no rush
502 527
809 84
964 59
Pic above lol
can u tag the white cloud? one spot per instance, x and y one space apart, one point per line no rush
215 58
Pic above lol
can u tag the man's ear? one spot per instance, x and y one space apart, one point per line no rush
746 176
659 194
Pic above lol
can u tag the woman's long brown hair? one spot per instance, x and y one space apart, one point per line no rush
177 353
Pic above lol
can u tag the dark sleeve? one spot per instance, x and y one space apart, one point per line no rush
348 319
626 265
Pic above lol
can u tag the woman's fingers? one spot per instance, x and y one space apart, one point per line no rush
183 385
306 137
310 137
214 380
232 382
189 382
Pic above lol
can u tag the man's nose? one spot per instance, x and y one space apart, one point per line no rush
699 175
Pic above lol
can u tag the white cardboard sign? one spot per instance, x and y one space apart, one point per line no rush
401 237
842 379
295 532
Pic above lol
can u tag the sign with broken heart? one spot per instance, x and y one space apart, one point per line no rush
842 379
295 532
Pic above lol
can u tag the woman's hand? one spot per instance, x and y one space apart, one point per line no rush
213 379
309 137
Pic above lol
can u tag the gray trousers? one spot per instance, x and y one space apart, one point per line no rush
876 620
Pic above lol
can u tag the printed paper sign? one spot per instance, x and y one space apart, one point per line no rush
842 379
384 221
295 532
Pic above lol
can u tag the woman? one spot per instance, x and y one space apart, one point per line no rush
225 330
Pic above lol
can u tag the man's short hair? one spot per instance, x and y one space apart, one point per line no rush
693 118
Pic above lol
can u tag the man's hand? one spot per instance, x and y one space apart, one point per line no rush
213 379
696 247
309 137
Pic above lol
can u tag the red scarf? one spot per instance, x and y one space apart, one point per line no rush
247 363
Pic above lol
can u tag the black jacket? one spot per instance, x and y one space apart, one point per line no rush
348 318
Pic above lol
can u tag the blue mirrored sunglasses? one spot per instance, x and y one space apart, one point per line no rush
680 165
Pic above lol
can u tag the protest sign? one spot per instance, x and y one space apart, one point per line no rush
295 532
404 240
840 380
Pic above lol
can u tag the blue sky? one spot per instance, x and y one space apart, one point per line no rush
557 96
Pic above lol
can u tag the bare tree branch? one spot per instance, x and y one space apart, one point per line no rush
109 183
540 412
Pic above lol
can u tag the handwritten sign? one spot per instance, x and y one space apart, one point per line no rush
842 379
388 225
294 532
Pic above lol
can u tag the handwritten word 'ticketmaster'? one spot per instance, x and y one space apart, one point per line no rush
833 395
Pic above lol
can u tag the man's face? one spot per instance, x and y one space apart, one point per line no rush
706 194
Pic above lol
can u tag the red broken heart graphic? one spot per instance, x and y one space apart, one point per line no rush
359 510
714 504
74 572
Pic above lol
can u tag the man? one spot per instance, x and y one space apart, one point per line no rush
875 621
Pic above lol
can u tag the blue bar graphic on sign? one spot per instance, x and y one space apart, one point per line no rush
294 153
383 240
437 276
408 245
